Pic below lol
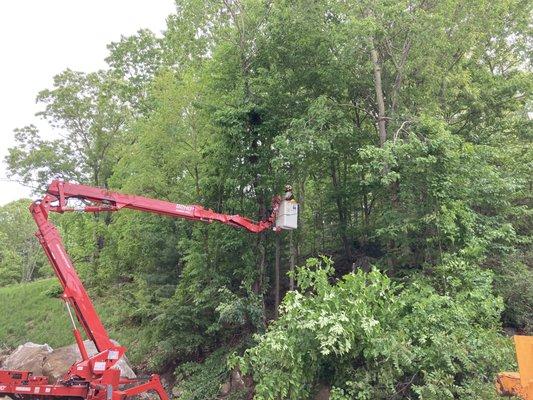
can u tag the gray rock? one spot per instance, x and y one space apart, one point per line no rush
42 360
28 357
236 381
60 360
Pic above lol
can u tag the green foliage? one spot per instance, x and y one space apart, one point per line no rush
87 108
371 338
402 127
21 257
203 381
212 303
513 282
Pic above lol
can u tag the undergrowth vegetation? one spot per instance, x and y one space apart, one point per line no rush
368 337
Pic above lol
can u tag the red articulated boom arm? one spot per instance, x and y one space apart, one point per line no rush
94 377
105 200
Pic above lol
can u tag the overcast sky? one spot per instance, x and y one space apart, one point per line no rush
40 38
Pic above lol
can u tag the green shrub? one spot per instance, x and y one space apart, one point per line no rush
202 381
370 338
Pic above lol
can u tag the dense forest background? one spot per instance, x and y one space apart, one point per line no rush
404 128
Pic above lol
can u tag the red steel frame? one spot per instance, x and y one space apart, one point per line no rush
94 377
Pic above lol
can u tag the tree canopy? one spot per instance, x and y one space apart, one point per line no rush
403 127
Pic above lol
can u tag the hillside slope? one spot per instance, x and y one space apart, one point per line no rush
31 312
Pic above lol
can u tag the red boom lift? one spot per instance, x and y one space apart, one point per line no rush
96 377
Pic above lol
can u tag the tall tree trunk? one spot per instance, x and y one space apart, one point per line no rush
399 76
262 266
382 131
378 87
292 264
277 276
342 213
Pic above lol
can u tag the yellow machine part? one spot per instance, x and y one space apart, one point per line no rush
519 384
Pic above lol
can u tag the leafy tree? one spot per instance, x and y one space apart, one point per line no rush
136 60
403 129
21 257
90 118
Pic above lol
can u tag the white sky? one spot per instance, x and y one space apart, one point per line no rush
40 38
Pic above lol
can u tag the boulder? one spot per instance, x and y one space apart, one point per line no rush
42 360
28 357
57 363
236 381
